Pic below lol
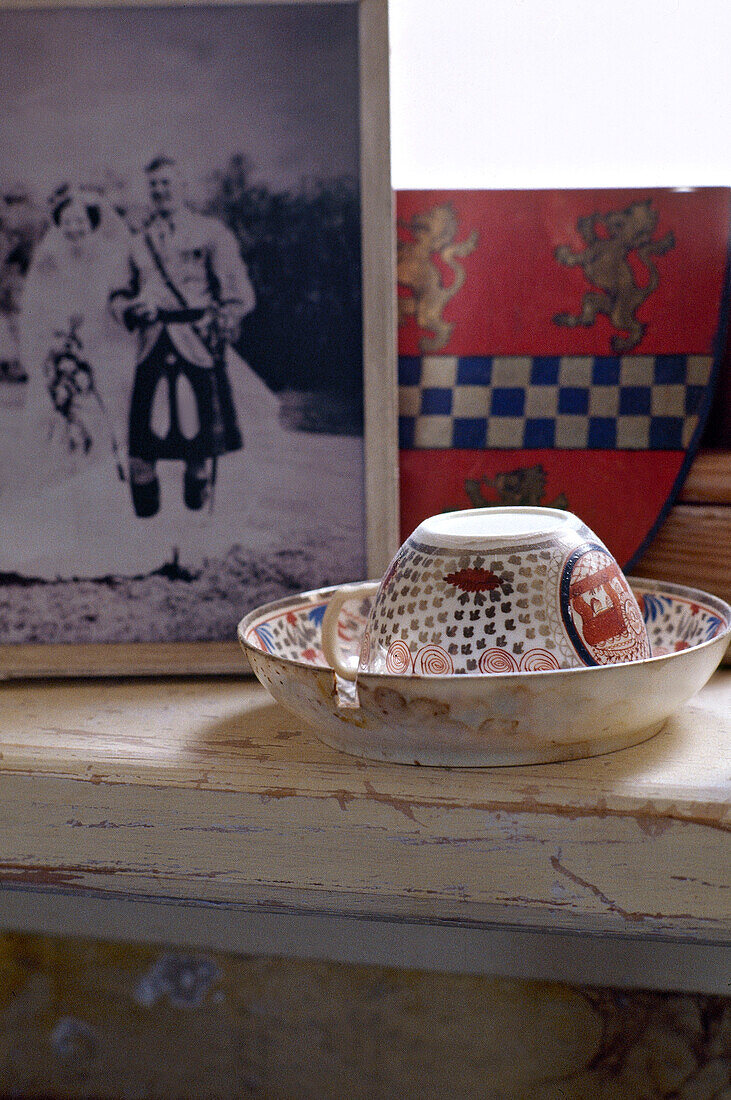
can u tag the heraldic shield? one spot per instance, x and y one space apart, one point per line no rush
558 348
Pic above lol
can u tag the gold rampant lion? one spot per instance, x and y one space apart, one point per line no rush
433 232
605 263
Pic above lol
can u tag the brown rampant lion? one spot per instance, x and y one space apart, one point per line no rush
433 231
610 238
526 485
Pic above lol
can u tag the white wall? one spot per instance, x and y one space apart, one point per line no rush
560 93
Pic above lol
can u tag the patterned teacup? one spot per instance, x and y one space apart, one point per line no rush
493 590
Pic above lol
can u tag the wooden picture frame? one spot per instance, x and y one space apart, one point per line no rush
40 653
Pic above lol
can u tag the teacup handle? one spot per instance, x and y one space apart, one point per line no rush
348 670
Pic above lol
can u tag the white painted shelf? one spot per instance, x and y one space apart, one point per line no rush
199 810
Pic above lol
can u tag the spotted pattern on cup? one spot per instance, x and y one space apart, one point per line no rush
459 610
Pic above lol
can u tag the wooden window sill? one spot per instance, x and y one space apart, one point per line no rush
198 810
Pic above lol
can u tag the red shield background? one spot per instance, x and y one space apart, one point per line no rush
606 431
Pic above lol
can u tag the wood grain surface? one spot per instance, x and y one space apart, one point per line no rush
206 791
709 479
692 547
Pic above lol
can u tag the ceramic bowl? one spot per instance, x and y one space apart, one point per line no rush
501 719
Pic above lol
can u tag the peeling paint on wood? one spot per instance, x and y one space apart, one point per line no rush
206 792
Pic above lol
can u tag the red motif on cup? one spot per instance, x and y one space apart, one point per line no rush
365 650
538 660
398 658
602 610
498 660
474 580
432 660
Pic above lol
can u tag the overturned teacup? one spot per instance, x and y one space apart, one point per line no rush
493 590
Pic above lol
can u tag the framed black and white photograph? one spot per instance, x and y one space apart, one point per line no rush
197 354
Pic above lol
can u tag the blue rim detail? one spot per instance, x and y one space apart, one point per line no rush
568 621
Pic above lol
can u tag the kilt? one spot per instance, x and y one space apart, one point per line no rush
218 430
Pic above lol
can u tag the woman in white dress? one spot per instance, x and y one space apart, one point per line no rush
60 457
78 361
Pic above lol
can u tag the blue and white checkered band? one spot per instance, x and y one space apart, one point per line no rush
514 402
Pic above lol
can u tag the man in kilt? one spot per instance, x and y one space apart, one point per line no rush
186 290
